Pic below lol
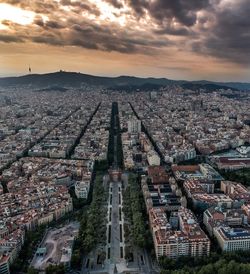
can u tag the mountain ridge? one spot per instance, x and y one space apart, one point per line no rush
76 79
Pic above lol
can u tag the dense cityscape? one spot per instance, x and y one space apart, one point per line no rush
124 137
105 181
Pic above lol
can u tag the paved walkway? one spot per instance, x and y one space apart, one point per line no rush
115 262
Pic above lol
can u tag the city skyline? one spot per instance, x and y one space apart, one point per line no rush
178 40
124 136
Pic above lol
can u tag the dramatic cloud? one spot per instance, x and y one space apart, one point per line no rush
218 29
182 11
10 38
229 37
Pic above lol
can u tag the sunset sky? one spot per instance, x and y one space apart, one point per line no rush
178 39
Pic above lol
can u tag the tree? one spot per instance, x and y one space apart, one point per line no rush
32 270
76 259
55 269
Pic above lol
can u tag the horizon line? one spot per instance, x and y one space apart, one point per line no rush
117 76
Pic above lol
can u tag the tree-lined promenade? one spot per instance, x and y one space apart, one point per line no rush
115 152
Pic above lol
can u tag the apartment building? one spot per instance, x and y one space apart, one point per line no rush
187 240
232 239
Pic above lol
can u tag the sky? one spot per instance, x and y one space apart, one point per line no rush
176 39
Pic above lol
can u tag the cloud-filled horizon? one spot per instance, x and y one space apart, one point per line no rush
188 39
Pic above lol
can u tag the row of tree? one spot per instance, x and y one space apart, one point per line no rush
220 267
111 137
135 214
115 129
92 225
241 176
225 262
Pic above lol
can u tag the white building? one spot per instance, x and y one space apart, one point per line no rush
134 126
82 189
232 239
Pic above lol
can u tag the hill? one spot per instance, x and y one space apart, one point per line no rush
73 79
206 86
